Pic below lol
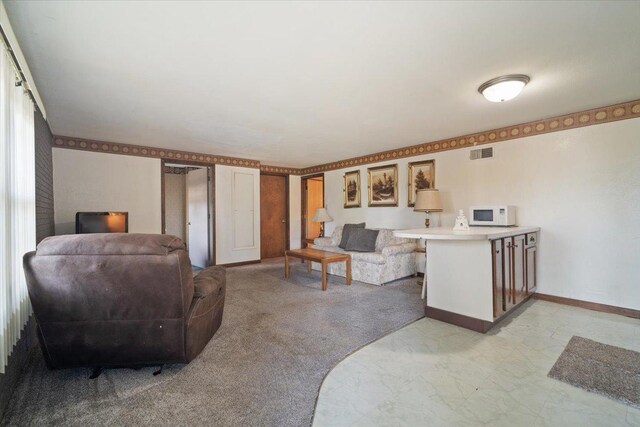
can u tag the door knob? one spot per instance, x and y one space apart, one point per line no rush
284 220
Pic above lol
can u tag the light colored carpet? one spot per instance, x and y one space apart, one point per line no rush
600 368
278 339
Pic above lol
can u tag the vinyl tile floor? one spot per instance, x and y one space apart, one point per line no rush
436 374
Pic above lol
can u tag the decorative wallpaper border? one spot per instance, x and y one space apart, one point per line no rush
611 113
145 151
280 170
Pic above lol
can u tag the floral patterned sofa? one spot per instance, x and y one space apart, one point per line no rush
392 260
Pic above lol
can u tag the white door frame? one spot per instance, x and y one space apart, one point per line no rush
211 203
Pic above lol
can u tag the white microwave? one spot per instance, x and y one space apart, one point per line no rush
502 216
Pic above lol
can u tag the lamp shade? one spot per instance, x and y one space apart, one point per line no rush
428 201
321 215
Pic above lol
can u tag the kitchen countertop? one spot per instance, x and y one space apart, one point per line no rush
474 233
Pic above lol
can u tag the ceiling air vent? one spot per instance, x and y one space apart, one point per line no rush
481 153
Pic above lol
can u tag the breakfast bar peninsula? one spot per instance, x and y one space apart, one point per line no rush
476 277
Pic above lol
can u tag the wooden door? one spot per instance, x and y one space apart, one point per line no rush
498 278
315 200
519 282
273 216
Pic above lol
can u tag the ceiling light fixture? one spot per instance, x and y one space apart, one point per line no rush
503 88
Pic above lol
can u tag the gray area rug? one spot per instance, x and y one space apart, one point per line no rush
278 339
604 369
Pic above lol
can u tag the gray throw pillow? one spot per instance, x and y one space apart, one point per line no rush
346 230
362 240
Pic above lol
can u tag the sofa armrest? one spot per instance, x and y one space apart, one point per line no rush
209 281
402 248
209 288
322 241
205 314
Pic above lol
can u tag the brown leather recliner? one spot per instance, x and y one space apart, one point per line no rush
121 300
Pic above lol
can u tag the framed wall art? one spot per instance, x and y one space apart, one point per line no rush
422 176
351 189
383 185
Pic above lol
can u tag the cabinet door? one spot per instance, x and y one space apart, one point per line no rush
530 269
498 277
509 290
519 281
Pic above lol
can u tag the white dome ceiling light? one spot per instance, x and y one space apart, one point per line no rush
503 88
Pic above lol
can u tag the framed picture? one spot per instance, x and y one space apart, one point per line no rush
422 176
352 189
383 185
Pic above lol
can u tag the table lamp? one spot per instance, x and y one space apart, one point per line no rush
321 216
428 201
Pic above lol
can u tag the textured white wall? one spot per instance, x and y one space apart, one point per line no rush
95 182
582 186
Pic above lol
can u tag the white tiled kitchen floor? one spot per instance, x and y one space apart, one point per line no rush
436 374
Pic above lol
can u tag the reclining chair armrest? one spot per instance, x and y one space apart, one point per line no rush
208 281
402 248
205 314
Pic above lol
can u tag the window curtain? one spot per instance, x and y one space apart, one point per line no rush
17 204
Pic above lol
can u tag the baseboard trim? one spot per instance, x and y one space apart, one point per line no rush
628 312
238 264
461 320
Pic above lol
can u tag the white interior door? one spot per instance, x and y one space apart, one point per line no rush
198 217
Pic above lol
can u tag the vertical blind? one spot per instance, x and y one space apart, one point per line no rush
17 204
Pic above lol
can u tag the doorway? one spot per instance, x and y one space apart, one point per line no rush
187 207
274 215
312 200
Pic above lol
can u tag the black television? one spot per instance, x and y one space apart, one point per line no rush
102 222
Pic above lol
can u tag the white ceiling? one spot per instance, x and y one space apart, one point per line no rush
299 84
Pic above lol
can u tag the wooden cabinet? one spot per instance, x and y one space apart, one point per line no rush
530 265
498 277
514 271
518 264
531 251
508 276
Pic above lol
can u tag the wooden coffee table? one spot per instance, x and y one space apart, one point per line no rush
322 257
